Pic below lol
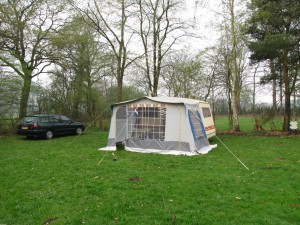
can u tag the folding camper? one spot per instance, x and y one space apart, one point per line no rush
165 125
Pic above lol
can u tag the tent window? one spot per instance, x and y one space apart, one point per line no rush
196 126
206 112
147 123
121 113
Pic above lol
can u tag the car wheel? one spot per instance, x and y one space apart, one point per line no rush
49 134
79 131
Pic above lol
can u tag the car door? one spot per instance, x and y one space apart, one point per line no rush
44 123
68 126
57 124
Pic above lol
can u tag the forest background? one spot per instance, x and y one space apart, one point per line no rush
76 58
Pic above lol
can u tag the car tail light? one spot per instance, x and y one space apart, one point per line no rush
33 126
19 127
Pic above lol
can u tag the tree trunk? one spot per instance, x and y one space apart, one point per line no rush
235 91
281 94
287 93
235 114
25 95
120 89
274 86
155 39
287 111
294 104
254 92
274 97
229 94
230 118
90 104
121 56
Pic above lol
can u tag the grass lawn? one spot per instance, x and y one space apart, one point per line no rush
60 182
247 123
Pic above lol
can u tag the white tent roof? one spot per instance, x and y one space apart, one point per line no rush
164 99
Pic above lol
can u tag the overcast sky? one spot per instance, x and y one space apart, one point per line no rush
205 18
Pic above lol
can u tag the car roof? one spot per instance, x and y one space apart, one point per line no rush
39 115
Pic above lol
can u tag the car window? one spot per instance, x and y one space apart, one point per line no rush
29 119
55 119
64 118
44 120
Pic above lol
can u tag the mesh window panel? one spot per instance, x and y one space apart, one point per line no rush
196 125
121 124
147 122
121 113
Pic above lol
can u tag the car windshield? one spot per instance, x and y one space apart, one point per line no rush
29 119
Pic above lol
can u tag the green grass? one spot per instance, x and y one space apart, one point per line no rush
74 183
247 123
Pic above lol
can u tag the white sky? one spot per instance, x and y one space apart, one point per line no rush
205 17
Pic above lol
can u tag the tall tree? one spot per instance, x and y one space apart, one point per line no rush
25 26
110 21
274 27
224 74
159 30
185 75
83 59
235 81
231 58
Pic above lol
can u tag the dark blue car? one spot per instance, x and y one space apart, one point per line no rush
48 126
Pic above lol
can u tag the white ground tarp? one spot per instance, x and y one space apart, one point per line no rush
204 150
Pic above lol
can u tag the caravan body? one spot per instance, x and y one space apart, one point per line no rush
208 119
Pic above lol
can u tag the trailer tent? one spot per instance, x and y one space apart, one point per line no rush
165 125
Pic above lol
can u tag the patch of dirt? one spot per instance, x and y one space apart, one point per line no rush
135 179
50 220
